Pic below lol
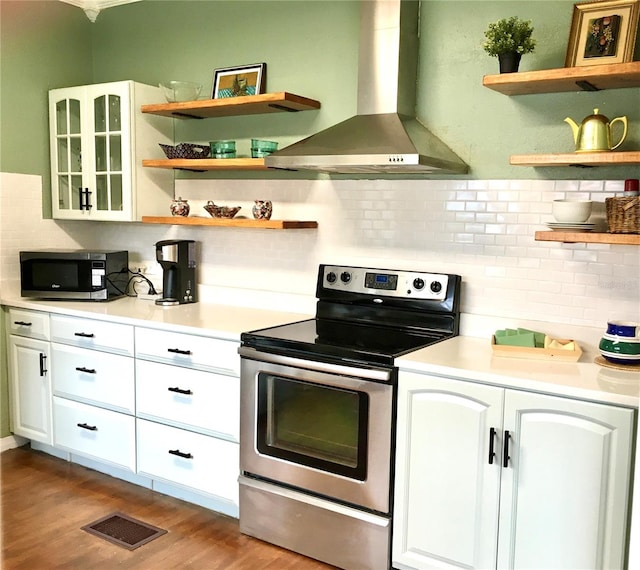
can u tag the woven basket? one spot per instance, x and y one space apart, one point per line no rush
623 215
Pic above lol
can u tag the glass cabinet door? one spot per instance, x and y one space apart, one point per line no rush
107 133
67 152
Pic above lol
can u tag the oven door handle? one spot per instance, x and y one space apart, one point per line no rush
359 371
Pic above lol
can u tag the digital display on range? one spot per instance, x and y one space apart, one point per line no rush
384 281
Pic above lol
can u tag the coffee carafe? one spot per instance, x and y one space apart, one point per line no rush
178 261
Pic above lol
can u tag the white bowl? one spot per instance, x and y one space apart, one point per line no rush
175 91
571 211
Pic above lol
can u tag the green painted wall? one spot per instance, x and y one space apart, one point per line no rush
43 45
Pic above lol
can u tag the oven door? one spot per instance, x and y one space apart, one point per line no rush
319 427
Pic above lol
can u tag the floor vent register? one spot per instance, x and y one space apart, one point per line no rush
124 530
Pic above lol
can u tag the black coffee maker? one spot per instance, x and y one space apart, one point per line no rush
177 258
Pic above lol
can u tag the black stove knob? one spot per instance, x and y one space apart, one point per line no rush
345 277
436 286
418 283
331 277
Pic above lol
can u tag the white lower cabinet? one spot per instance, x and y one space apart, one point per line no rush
188 459
488 477
30 388
29 353
94 432
188 410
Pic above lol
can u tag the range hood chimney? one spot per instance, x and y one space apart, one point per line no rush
384 137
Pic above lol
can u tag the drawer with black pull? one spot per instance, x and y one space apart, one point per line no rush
95 432
32 324
94 377
190 351
93 334
188 459
201 401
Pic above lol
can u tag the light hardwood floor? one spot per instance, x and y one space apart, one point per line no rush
46 500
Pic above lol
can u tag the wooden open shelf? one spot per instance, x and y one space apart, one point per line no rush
588 237
233 106
230 222
587 78
576 159
203 164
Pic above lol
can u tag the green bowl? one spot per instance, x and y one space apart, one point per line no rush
218 147
264 146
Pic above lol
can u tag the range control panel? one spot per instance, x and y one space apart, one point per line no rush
407 284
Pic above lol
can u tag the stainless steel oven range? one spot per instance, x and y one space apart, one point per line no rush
318 401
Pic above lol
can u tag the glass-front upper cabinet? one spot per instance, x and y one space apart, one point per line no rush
98 137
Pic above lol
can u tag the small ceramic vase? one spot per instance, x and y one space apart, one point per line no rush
179 207
262 209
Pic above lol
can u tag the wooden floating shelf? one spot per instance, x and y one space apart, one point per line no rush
589 237
203 164
233 106
587 78
576 159
230 222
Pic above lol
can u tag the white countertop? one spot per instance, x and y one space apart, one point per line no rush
205 319
471 358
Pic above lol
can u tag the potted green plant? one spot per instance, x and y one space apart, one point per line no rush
508 39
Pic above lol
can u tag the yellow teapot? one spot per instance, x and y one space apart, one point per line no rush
594 133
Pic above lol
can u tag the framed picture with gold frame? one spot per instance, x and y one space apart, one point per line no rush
602 32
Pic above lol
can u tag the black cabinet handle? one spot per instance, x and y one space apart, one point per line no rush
505 456
87 370
180 453
178 351
180 391
492 439
87 426
84 335
43 364
84 204
22 323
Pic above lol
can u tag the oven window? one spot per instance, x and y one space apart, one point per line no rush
312 424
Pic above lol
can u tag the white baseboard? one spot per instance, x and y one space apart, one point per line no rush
11 441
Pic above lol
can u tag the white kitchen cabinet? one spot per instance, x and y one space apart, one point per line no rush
488 477
189 386
31 388
94 389
97 138
29 376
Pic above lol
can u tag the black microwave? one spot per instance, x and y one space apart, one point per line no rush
74 275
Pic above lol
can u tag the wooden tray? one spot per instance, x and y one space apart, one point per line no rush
536 353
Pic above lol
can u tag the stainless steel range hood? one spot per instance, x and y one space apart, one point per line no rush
384 137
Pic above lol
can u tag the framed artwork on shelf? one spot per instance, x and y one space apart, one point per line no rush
239 81
602 32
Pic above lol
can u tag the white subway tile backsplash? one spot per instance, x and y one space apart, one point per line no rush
481 229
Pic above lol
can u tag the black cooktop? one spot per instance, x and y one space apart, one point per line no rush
330 340
368 316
